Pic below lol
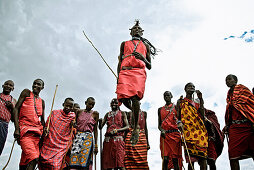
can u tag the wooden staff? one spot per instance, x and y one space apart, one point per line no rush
100 54
101 148
10 154
47 130
163 140
182 136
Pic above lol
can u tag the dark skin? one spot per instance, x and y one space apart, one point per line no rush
8 87
115 108
167 97
231 83
133 103
89 106
76 107
37 86
189 90
129 115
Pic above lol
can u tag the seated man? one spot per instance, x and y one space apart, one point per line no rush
59 137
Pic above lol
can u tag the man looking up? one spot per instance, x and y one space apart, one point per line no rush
134 58
191 114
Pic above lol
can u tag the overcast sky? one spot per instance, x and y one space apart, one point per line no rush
44 39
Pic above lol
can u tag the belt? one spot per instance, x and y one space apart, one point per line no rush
129 68
116 138
240 121
171 131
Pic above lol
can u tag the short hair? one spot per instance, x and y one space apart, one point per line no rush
10 81
187 85
68 98
90 98
41 81
234 77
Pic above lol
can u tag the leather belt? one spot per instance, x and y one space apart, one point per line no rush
171 131
239 121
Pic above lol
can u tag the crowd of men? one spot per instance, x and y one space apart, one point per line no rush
69 137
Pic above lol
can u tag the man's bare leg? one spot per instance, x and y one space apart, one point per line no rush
203 164
135 112
176 164
165 163
31 165
234 164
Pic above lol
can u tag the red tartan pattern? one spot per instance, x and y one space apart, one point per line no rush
28 118
55 144
243 100
5 114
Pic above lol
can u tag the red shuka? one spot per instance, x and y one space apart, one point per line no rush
240 106
30 128
131 82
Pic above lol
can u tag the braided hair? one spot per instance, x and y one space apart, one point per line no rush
153 49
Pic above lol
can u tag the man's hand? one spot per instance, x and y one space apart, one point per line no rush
17 135
100 123
225 130
180 125
9 105
163 133
95 150
138 56
199 94
148 146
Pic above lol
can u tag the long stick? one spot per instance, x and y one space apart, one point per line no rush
99 54
182 136
51 110
163 153
101 148
10 154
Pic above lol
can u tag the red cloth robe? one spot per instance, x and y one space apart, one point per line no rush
240 106
172 141
215 147
113 145
57 142
30 128
131 82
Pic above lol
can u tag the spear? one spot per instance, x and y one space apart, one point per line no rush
99 54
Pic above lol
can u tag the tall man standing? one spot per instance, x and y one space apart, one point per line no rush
191 114
134 58
239 119
170 140
113 145
28 127
7 103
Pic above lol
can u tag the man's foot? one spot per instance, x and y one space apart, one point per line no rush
134 137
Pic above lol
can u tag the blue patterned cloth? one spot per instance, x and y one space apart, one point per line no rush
3 134
82 149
